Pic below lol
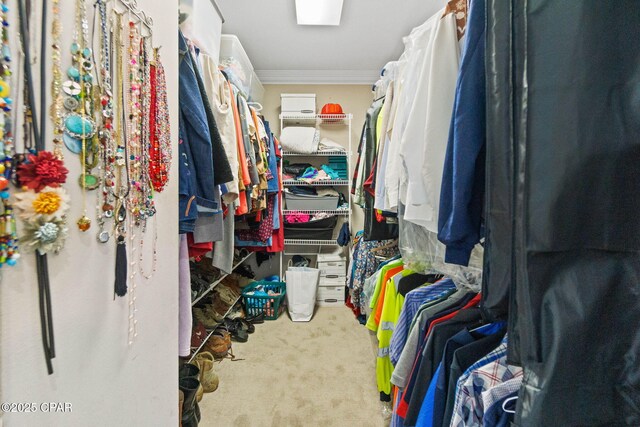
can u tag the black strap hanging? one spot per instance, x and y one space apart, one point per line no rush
38 129
120 284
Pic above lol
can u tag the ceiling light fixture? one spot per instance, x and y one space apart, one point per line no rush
318 12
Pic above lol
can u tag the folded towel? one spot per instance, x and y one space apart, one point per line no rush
327 144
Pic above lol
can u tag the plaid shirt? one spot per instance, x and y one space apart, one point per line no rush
412 303
499 392
488 372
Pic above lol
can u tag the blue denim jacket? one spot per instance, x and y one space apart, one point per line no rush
186 187
272 184
196 141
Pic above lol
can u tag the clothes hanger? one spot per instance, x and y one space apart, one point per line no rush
460 9
506 402
387 246
256 105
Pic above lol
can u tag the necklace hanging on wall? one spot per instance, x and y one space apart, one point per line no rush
160 132
148 203
8 237
121 186
105 199
136 212
80 128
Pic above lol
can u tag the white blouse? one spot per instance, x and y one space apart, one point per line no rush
424 141
220 99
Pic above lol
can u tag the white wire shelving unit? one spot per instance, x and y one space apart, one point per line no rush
320 119
317 154
199 348
342 212
313 246
219 279
308 242
319 183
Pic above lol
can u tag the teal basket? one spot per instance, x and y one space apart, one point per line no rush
271 306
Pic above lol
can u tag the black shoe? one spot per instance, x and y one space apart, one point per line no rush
244 325
245 271
257 319
236 331
190 410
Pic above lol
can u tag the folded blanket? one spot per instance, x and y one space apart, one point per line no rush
327 144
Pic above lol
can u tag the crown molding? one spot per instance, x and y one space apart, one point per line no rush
344 77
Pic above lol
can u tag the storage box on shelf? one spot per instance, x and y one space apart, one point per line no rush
321 229
202 25
340 166
310 202
257 90
298 103
236 64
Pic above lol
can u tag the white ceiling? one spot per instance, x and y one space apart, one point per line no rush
281 51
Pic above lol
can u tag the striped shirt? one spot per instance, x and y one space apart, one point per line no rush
412 303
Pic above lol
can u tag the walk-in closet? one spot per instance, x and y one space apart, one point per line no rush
319 213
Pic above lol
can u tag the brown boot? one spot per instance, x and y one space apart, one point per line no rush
204 317
208 377
217 346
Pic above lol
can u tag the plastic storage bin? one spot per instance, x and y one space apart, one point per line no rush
203 25
257 90
313 230
330 296
270 305
332 268
339 165
298 103
310 202
235 62
318 223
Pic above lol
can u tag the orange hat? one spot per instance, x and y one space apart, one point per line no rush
331 109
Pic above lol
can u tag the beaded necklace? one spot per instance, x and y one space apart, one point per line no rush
121 187
149 209
80 127
8 237
57 105
134 150
106 174
134 129
160 145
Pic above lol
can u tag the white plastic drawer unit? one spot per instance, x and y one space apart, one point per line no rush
300 103
332 280
332 268
330 295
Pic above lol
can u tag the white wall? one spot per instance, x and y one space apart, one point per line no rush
107 382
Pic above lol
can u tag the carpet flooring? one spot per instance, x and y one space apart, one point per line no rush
320 373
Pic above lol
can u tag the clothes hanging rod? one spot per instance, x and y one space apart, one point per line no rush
213 2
